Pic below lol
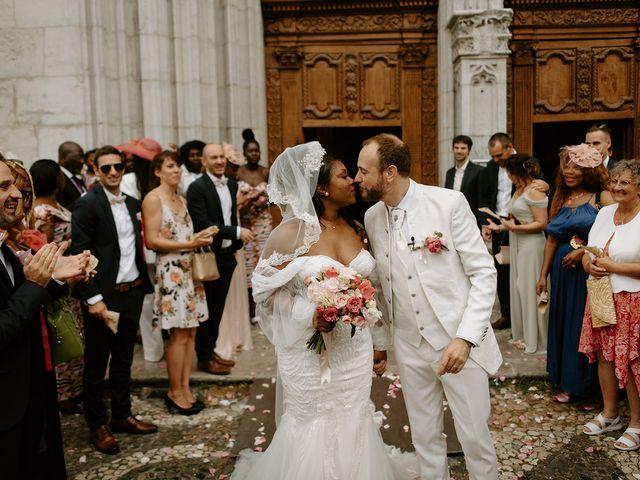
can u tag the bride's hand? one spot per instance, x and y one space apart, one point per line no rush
321 324
379 362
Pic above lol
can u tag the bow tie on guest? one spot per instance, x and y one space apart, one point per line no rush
117 200
220 181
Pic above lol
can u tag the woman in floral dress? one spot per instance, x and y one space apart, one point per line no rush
254 209
179 303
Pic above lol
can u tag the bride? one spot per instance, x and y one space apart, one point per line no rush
326 431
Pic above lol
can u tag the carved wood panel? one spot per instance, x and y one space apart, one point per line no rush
555 81
322 85
380 86
613 76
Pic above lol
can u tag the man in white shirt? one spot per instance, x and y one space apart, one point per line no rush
106 222
465 175
211 200
599 136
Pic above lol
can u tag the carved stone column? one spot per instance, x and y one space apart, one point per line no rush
480 52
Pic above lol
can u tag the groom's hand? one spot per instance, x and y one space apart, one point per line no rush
454 357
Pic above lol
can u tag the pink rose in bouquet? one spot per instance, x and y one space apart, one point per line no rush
342 294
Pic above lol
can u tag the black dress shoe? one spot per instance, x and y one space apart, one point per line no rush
171 406
69 407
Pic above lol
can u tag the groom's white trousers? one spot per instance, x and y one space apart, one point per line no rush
467 393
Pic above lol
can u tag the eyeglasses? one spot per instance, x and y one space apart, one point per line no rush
118 167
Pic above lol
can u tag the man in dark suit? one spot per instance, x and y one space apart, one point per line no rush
106 222
211 200
30 435
599 136
465 175
71 160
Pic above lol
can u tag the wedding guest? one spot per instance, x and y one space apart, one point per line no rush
180 303
211 200
526 223
54 220
580 191
191 158
599 137
89 169
71 160
254 214
105 221
30 434
136 184
465 176
24 207
235 329
616 348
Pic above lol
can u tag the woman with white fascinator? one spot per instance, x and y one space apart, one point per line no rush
326 429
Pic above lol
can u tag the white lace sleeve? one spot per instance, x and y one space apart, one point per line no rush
284 314
381 331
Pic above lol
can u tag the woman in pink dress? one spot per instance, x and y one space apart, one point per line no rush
616 348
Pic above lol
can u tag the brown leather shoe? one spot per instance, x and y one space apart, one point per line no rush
214 367
104 441
223 361
133 425
502 323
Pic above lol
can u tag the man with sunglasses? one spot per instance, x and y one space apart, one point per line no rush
106 222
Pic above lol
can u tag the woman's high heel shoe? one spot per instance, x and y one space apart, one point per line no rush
171 406
198 404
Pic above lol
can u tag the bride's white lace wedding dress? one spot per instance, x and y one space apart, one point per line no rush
327 431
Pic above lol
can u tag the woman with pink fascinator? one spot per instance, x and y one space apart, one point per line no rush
580 191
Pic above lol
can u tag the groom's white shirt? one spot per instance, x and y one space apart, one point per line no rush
459 283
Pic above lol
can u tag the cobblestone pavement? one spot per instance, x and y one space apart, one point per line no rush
535 439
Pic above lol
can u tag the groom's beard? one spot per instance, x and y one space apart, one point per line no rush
373 194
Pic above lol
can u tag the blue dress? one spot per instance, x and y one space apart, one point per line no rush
568 295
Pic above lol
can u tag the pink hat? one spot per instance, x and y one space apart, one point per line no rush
146 148
584 155
233 155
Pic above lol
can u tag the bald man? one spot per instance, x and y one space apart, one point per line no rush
71 159
211 200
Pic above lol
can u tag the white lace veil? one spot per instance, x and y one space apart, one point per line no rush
292 183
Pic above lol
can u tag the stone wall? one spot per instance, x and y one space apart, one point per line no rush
101 72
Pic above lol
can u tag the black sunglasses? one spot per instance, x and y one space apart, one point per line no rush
118 167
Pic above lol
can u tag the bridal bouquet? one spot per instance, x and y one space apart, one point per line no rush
342 295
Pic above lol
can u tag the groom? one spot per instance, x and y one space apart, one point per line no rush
439 283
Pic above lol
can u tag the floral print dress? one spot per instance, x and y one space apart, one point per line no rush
257 219
179 302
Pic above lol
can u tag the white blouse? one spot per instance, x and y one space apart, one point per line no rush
624 246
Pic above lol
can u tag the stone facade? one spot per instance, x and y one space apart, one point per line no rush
99 72
473 38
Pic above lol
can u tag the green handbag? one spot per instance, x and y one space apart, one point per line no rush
66 339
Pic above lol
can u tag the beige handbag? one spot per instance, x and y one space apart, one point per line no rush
603 310
205 267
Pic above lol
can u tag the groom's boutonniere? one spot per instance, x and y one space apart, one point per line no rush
434 243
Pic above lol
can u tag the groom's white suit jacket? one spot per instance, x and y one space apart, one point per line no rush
460 284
